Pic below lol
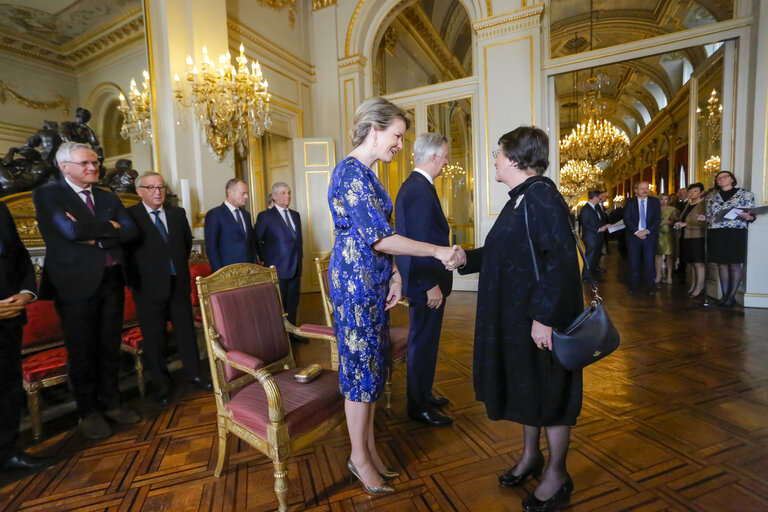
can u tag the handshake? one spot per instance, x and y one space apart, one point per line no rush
452 257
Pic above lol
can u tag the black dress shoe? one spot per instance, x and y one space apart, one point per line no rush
652 291
438 401
163 401
509 479
21 461
202 383
431 417
533 504
601 270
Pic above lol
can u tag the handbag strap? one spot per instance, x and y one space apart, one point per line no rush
592 282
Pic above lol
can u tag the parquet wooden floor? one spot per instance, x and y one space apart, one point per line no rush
676 419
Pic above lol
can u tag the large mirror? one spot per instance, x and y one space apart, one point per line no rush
59 55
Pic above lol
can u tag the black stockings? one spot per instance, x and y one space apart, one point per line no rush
730 280
556 474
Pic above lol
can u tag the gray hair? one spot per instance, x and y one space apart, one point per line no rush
277 186
376 112
231 184
426 145
147 174
270 200
64 153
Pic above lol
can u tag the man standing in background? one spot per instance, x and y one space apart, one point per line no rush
228 229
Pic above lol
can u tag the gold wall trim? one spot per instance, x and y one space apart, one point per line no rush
489 6
347 139
765 156
58 101
322 4
487 129
153 91
279 5
292 108
281 54
509 22
351 26
327 154
309 208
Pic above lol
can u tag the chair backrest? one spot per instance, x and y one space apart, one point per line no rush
43 327
322 265
242 311
130 316
201 270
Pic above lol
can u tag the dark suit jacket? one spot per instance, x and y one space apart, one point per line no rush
419 216
652 216
591 221
73 270
225 241
277 244
149 270
16 271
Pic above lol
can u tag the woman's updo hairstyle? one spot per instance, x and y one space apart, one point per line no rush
528 147
376 112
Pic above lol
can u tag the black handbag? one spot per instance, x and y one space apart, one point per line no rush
592 335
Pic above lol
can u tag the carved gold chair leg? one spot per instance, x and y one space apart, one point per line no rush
33 403
281 484
388 390
139 366
223 445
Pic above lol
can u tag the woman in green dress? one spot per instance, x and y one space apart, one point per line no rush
665 245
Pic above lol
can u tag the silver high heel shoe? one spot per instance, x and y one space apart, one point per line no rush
382 489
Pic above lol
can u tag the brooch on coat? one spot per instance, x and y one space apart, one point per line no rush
519 198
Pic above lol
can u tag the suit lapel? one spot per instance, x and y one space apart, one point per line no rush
72 202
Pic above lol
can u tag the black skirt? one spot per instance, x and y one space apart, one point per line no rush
694 250
727 246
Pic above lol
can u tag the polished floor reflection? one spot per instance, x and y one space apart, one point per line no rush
677 419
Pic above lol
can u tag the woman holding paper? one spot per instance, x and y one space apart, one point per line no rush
692 222
728 212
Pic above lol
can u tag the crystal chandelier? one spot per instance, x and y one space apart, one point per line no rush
596 140
137 118
453 171
228 100
711 168
577 177
711 119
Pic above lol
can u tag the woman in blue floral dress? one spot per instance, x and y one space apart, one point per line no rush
364 283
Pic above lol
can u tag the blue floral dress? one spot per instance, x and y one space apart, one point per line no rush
359 279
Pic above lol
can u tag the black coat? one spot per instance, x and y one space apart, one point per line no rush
515 379
16 270
277 244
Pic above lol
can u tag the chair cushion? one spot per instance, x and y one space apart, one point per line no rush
132 338
199 318
45 364
398 337
316 329
43 325
250 320
202 270
305 405
243 359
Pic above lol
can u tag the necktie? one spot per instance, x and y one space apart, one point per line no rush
288 221
642 214
89 204
163 233
240 221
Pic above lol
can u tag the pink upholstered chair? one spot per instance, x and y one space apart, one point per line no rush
252 367
398 336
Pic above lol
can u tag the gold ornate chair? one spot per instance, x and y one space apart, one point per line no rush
252 366
398 335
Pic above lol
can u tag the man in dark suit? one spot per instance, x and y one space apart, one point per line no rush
159 276
592 227
600 207
279 243
228 229
17 289
83 228
426 282
642 217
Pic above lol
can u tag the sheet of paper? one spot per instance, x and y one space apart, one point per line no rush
616 227
733 214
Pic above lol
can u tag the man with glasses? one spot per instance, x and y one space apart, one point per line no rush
83 228
159 276
228 229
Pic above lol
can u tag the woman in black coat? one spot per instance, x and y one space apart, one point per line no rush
515 372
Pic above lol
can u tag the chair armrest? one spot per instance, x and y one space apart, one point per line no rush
235 357
318 332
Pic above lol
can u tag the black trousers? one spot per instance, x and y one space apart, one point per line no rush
153 317
423 340
644 249
290 291
593 252
11 391
92 329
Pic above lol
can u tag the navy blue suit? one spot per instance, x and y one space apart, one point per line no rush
645 248
88 294
225 241
591 221
419 216
279 245
161 296
16 274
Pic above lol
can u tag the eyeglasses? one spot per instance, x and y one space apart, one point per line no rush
495 154
84 163
154 189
